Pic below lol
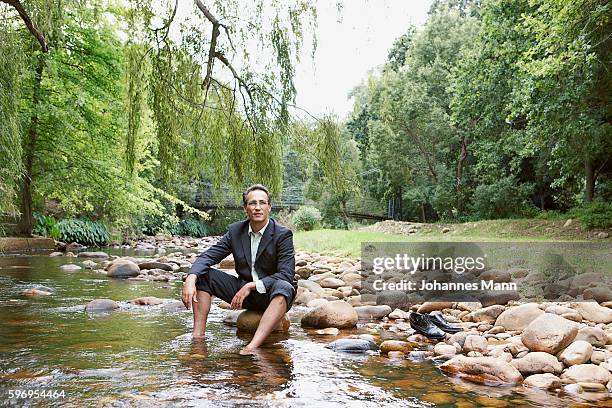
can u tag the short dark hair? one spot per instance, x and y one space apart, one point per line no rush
253 188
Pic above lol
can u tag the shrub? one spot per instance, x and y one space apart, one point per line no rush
306 218
597 214
159 224
191 227
221 219
503 199
85 232
45 226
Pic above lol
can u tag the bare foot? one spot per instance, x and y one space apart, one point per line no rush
197 336
247 351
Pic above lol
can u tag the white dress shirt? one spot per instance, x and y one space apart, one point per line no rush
255 240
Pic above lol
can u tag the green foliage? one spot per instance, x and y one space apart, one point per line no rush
502 199
11 166
83 231
46 226
191 227
492 107
597 214
159 224
221 219
114 120
306 218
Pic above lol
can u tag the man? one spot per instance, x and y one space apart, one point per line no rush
265 261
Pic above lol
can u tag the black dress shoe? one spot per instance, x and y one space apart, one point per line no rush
422 324
441 322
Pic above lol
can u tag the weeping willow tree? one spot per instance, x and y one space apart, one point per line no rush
124 103
11 167
220 90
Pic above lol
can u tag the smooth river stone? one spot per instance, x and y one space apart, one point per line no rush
248 321
550 333
519 317
100 255
336 313
101 305
352 345
372 312
482 370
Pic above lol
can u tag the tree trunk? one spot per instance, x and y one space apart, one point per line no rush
459 175
423 213
344 216
26 222
589 172
399 210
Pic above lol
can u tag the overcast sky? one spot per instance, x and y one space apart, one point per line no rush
351 42
349 45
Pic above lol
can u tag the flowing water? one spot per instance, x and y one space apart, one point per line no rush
135 356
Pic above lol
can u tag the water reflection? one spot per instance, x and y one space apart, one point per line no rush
267 371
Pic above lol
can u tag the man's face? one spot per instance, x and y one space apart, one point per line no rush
257 207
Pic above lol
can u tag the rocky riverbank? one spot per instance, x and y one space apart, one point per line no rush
559 346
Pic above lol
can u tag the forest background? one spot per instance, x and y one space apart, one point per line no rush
119 119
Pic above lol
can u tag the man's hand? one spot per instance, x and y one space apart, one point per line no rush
242 294
189 291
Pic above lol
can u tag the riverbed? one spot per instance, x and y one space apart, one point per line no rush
140 356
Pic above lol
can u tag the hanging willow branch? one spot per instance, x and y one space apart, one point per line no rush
213 54
28 22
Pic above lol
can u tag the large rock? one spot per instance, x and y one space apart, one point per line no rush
475 343
174 306
351 345
433 306
482 370
487 314
398 314
248 321
312 286
546 381
303 272
519 317
498 297
460 337
101 305
123 268
579 352
38 291
352 279
394 299
593 312
70 268
600 294
587 373
372 312
155 265
304 296
583 280
337 313
441 349
536 363
333 283
396 345
100 255
596 336
549 333
147 301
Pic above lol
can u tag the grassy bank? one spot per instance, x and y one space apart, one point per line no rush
349 242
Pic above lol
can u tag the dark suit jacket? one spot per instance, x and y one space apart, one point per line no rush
275 255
